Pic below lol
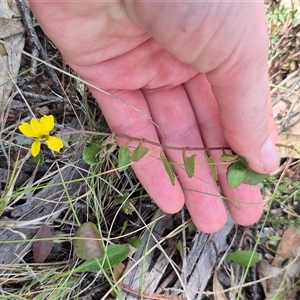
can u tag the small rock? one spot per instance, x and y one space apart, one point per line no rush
43 110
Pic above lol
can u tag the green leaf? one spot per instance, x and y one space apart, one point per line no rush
252 177
168 167
39 159
189 163
235 174
90 152
114 255
90 245
281 19
243 161
213 166
139 152
135 242
126 203
228 157
179 247
243 258
124 158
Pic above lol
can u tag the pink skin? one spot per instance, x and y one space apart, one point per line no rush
199 69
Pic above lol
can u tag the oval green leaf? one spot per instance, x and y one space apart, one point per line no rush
135 242
124 158
168 167
189 163
243 258
228 157
252 177
235 174
90 152
114 255
139 152
39 159
213 166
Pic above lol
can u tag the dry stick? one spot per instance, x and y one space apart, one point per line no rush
294 55
184 253
153 296
46 97
36 44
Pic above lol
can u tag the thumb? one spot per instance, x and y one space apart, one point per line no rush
246 113
240 84
228 42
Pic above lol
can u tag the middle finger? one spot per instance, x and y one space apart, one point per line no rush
173 113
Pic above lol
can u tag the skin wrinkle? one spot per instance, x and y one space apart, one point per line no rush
107 26
162 58
183 41
204 60
174 114
124 64
184 133
173 27
134 118
263 119
232 132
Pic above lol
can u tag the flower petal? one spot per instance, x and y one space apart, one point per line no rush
47 123
54 143
26 129
36 127
35 148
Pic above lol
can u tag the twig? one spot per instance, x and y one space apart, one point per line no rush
130 138
40 97
152 296
36 44
294 55
49 98
184 264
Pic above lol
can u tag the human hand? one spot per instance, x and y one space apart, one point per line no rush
199 69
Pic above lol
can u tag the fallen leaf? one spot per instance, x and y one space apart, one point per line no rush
118 271
218 288
288 247
90 245
274 283
9 27
41 249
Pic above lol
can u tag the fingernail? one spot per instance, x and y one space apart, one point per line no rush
269 156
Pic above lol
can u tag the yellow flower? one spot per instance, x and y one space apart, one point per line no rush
40 131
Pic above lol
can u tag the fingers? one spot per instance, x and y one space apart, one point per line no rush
245 115
244 202
175 117
136 122
241 87
233 51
